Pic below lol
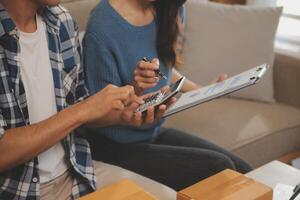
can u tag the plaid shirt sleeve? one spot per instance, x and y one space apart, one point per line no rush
2 125
81 92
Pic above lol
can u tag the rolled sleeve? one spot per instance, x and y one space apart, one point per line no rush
81 92
2 125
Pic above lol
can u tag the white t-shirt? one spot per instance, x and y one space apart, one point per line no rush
37 77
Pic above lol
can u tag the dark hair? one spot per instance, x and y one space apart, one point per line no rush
168 30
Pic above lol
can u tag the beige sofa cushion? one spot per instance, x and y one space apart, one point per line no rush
230 39
287 79
81 10
232 123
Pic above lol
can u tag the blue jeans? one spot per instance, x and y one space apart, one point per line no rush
173 158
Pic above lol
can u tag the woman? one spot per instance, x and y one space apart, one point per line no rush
120 33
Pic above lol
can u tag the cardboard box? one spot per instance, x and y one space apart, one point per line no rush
124 190
227 185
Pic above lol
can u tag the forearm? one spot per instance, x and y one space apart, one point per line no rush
19 145
188 84
113 118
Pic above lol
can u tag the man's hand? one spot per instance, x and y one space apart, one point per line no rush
130 117
145 76
111 100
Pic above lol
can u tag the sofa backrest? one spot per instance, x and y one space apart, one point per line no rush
80 9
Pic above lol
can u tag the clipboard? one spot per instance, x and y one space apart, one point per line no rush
193 98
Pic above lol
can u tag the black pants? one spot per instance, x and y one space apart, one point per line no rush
174 158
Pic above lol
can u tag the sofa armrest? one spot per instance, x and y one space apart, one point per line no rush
287 79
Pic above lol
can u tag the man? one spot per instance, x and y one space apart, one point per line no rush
43 100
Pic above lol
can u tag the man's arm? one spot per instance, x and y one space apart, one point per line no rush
19 145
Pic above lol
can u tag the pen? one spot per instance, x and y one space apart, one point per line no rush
157 71
296 192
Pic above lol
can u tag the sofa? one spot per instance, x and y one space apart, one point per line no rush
258 132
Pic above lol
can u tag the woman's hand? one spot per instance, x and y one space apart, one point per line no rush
221 78
145 76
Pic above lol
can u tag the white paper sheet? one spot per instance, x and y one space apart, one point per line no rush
283 192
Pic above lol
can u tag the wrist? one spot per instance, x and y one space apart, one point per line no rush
81 112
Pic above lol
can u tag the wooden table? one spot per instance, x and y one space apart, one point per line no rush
289 157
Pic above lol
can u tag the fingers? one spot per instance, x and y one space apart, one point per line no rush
171 102
149 119
155 61
155 115
147 69
126 94
138 119
117 105
146 80
130 117
161 111
125 90
222 77
154 65
136 99
145 73
145 83
133 98
119 98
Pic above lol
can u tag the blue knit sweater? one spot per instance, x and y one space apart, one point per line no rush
112 48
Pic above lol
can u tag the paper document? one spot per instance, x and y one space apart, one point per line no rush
283 192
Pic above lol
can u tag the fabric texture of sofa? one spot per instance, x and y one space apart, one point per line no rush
258 132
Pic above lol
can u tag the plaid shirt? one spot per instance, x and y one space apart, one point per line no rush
22 182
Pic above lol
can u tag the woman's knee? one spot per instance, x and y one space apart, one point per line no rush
213 162
224 162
